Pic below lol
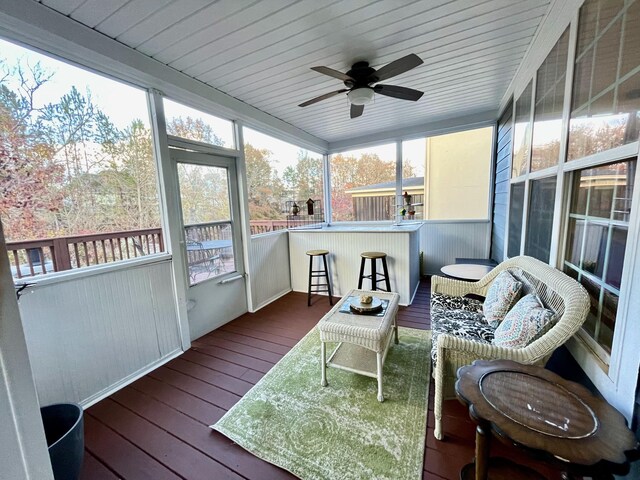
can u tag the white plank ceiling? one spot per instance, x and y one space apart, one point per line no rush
260 51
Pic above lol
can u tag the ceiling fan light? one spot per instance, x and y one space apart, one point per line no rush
361 96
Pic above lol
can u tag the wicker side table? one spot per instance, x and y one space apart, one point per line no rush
363 340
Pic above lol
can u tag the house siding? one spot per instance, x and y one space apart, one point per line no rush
502 161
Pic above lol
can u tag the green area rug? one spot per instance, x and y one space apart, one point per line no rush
340 431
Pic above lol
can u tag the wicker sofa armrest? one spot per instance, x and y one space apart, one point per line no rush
454 350
453 287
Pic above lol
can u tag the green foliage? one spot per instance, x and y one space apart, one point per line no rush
265 188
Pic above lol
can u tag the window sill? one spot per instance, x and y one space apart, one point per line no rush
70 275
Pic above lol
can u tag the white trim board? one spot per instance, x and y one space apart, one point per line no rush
40 27
23 455
128 380
431 129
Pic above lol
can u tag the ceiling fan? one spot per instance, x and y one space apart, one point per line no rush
360 79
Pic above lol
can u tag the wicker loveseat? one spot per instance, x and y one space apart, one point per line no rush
559 292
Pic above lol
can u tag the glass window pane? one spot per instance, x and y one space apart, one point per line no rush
608 10
77 169
516 206
278 174
616 256
606 60
587 25
540 222
572 272
623 175
547 120
595 246
593 289
608 320
206 214
604 192
414 160
631 39
580 196
629 108
575 234
582 83
363 184
601 199
522 133
192 124
605 102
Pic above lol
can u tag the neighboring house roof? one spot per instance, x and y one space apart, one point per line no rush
407 183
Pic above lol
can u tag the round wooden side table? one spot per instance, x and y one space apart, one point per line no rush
535 409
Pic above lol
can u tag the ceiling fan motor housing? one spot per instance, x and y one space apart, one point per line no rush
362 74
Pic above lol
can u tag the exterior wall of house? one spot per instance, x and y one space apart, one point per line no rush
502 160
457 175
543 211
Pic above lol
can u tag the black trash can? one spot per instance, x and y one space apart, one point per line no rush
64 429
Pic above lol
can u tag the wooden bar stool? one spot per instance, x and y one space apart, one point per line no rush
375 276
318 287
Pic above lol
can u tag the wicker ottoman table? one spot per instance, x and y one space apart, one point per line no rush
363 339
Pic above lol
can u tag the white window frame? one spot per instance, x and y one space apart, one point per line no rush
617 379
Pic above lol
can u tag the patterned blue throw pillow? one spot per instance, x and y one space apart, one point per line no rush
523 323
502 294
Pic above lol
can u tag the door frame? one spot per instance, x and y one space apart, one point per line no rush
210 159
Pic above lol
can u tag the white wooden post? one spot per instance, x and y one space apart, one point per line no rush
24 452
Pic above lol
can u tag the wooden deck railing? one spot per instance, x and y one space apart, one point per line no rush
265 226
36 257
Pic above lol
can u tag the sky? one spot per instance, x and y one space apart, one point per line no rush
124 103
121 102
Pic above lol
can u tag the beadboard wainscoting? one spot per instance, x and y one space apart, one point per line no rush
345 243
442 241
89 334
269 267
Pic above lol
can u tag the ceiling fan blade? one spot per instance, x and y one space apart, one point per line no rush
322 97
399 66
356 110
332 73
402 93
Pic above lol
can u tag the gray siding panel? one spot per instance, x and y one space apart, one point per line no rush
501 184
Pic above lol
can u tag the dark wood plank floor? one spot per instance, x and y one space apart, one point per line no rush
157 428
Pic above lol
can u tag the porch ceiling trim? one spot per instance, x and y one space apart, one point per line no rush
439 127
41 27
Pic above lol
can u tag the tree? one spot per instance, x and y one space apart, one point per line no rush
265 188
304 180
28 173
129 175
349 172
193 129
